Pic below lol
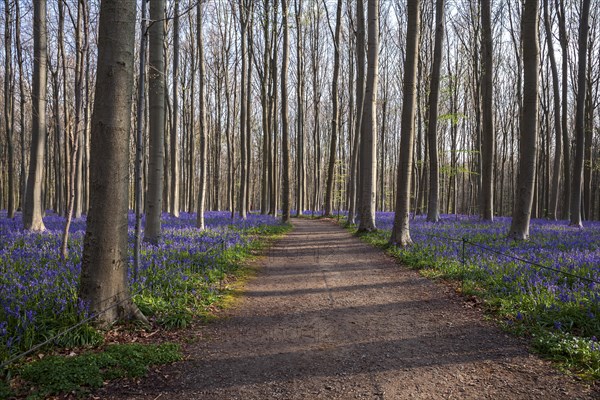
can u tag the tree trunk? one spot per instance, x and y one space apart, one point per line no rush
564 44
300 146
139 145
553 204
360 93
488 145
9 115
580 117
285 183
335 118
368 164
175 126
433 207
401 230
202 118
528 146
32 213
103 284
156 105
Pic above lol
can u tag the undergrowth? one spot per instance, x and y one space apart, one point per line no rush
572 342
185 286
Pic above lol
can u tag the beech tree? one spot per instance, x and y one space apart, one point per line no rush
33 208
576 190
488 138
285 182
433 208
528 146
156 108
104 262
368 151
335 118
401 229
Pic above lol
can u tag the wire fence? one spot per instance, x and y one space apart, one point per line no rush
467 242
196 268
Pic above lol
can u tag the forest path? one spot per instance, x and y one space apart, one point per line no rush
329 317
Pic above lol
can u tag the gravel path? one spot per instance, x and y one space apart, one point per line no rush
329 317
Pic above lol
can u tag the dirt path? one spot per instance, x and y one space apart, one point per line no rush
330 317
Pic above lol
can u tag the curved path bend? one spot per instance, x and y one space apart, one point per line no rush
329 317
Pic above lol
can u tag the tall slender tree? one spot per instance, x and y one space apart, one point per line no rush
285 145
9 115
577 181
558 141
360 94
103 284
401 229
32 212
156 105
433 206
202 119
175 119
564 46
335 118
488 139
528 146
368 164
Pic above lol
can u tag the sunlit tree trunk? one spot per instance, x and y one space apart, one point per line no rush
556 170
576 190
9 115
156 105
300 130
528 147
285 145
32 212
368 164
564 45
360 92
335 118
175 121
433 206
401 230
202 119
103 284
488 137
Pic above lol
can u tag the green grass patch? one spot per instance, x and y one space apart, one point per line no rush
81 373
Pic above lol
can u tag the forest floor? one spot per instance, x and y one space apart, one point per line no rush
330 317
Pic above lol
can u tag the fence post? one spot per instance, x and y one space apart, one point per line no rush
464 261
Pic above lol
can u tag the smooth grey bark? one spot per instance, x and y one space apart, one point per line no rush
23 182
244 19
564 45
576 190
335 118
9 115
202 118
556 170
433 205
156 108
139 145
285 145
80 54
103 283
401 229
300 131
368 151
360 93
528 146
175 120
488 137
32 212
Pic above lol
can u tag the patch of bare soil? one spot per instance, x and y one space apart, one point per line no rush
329 317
